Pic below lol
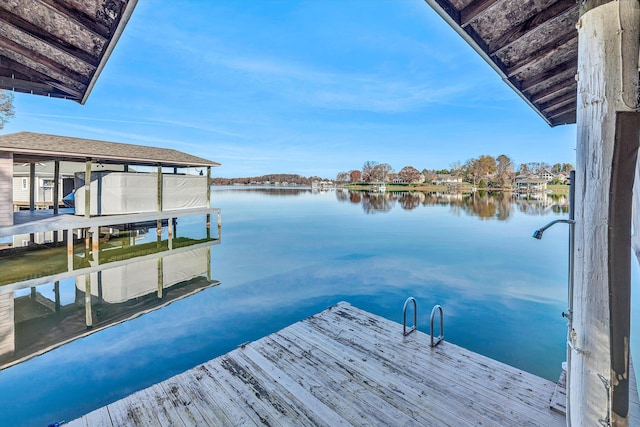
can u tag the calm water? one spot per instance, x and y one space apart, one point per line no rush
287 254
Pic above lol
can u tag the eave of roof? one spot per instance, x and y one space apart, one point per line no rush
33 147
58 48
532 46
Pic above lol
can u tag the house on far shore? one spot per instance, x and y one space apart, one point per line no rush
447 179
530 184
546 175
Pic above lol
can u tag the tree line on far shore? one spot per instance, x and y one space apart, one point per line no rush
484 171
276 178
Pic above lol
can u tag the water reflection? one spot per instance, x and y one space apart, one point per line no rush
25 258
57 286
37 319
482 204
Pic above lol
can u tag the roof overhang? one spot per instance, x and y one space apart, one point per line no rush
28 147
533 47
58 48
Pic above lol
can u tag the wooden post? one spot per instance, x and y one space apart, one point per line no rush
56 292
209 263
208 186
208 202
56 186
95 245
70 250
159 188
160 277
159 222
32 186
88 316
87 189
608 34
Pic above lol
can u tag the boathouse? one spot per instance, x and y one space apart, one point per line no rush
117 192
577 62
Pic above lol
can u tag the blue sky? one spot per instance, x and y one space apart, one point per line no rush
306 87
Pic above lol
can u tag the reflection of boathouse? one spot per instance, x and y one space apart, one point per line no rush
35 319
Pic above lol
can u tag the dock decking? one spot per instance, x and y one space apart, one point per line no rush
343 366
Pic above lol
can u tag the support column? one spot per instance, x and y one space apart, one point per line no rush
608 34
87 189
208 202
159 222
56 186
32 187
170 232
88 316
160 278
70 249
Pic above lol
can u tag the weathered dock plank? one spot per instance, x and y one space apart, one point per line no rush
343 366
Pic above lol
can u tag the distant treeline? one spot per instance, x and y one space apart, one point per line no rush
280 178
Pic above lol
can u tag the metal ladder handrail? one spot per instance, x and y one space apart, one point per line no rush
440 337
404 316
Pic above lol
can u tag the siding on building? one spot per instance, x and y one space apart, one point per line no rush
6 189
7 325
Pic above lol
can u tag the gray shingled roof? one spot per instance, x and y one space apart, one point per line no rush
28 146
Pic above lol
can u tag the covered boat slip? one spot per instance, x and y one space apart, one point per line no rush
343 366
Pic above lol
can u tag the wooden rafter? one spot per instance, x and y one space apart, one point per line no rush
533 48
58 47
545 75
474 10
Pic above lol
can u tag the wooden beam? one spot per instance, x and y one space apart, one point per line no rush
559 101
43 61
567 85
564 119
91 23
563 67
52 40
474 10
569 108
543 53
556 11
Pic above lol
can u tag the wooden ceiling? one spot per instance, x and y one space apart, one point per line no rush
57 48
532 44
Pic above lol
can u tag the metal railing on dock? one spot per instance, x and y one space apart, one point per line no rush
436 308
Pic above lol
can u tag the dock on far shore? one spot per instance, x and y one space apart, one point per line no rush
343 366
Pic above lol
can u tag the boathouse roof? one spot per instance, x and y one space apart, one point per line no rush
532 45
58 48
37 147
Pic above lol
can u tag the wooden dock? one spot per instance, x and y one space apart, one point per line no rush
343 366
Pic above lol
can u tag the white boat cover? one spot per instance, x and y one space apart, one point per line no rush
117 193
